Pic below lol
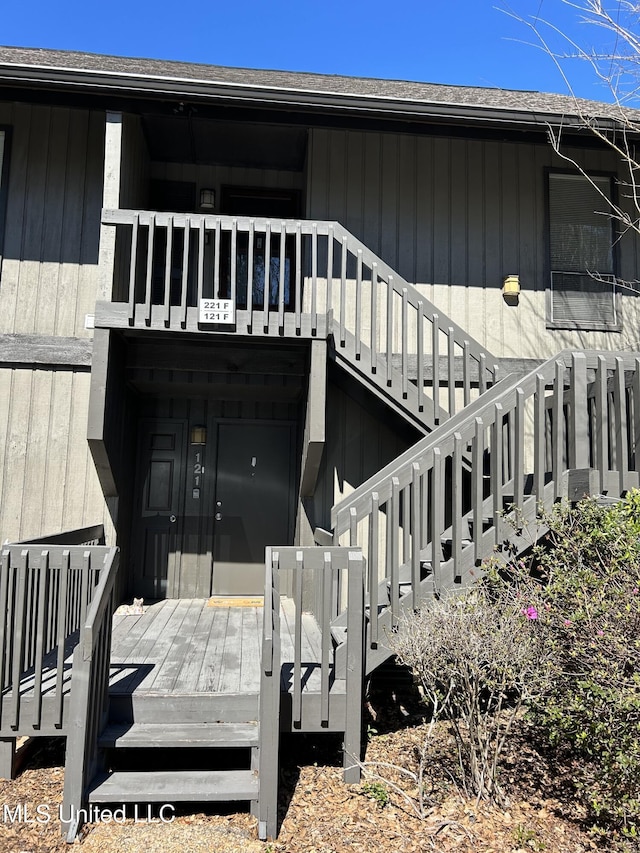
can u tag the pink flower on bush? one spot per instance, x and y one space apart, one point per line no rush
567 623
600 633
530 612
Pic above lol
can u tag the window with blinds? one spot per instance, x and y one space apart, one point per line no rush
583 292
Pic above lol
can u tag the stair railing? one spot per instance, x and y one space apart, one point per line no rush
307 278
315 573
89 705
425 523
45 593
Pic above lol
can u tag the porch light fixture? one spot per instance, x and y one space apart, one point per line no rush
511 289
198 434
207 199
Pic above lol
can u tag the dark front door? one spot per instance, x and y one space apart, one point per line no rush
253 503
158 522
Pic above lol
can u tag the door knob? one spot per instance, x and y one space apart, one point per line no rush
218 516
172 519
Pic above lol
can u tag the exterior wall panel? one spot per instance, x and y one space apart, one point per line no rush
47 478
455 217
49 268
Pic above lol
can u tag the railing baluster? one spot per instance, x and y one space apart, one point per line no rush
200 279
298 296
622 437
557 435
437 515
390 292
148 286
482 373
405 343
329 295
415 536
435 356
466 367
281 278
167 272
63 594
297 641
456 512
343 290
19 638
374 317
373 569
43 600
314 278
234 261
250 273
477 478
358 317
497 471
420 356
539 434
451 370
185 272
267 275
133 263
84 589
217 231
518 474
393 531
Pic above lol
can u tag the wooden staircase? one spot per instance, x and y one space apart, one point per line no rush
176 774
426 522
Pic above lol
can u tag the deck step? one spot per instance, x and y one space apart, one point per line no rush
198 786
149 735
177 709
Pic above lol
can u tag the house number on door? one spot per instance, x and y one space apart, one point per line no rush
198 471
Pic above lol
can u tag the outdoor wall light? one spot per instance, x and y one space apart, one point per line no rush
198 434
511 289
207 199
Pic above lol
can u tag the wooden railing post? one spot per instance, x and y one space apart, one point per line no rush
270 701
355 665
579 417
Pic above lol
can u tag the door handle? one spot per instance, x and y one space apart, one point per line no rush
172 519
218 516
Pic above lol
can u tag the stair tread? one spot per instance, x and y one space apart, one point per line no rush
180 734
175 786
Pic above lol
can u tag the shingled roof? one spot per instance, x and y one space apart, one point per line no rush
154 75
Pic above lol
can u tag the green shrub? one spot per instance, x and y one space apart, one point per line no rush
590 570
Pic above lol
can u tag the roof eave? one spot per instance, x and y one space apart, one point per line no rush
133 85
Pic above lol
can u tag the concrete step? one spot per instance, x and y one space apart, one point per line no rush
163 786
182 735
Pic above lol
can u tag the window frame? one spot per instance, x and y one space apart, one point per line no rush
596 325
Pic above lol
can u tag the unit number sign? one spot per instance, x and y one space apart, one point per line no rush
217 311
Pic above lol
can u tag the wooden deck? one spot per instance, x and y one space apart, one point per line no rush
188 647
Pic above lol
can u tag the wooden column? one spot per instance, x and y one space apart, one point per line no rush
314 433
110 201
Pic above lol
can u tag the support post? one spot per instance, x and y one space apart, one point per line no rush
579 420
7 758
355 666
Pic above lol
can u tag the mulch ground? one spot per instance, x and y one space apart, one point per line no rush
320 814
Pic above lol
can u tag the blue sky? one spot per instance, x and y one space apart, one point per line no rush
465 42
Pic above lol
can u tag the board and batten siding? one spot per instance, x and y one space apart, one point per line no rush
455 216
50 257
48 482
360 444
